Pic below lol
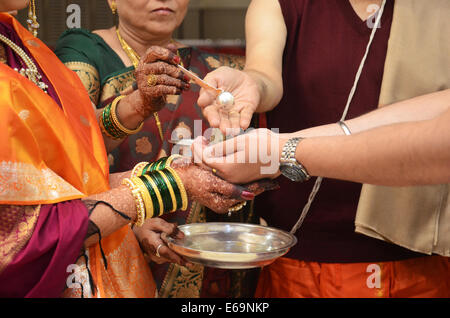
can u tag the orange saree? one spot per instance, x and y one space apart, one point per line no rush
53 154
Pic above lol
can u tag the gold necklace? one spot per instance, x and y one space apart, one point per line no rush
134 58
31 71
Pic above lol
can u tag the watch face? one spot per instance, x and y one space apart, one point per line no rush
292 172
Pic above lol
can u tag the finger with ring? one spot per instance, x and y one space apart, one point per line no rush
152 80
157 250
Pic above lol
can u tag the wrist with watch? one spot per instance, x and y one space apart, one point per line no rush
289 166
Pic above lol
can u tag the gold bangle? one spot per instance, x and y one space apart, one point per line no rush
158 194
172 158
172 193
180 187
148 204
116 122
137 170
138 200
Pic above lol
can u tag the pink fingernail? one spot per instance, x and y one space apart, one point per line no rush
247 195
176 59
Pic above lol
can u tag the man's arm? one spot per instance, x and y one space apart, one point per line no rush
419 108
402 154
265 40
259 87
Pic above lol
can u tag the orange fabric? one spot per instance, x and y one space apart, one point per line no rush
42 140
425 277
51 154
127 274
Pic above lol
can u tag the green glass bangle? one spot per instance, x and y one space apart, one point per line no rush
165 194
175 188
161 164
157 164
144 170
109 126
156 207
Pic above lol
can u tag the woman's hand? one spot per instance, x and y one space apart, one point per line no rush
157 76
149 237
245 158
246 99
203 186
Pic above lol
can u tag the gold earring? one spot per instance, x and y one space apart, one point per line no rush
33 25
113 7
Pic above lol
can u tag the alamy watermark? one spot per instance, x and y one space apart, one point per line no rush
74 16
254 146
374 279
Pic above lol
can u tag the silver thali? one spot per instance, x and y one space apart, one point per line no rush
231 245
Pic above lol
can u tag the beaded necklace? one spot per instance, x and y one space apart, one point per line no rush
31 71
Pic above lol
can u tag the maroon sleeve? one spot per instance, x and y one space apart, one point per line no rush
40 269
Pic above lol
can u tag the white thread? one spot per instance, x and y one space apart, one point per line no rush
318 182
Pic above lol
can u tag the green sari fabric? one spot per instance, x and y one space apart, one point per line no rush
104 75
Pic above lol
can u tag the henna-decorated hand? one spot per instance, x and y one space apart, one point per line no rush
156 77
149 237
213 192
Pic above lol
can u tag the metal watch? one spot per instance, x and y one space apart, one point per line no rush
289 166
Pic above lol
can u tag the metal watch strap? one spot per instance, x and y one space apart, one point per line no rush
288 154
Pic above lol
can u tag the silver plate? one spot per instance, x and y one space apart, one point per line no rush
231 245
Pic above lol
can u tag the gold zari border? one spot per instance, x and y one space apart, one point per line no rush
24 183
89 77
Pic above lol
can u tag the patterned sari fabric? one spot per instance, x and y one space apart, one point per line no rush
52 154
104 75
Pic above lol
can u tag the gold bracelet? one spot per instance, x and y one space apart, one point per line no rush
171 159
138 200
137 170
158 194
172 193
148 204
116 122
180 187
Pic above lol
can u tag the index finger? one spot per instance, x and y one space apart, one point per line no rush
158 53
229 190
227 147
246 117
212 115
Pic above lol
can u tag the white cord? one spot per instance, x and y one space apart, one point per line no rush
361 66
318 182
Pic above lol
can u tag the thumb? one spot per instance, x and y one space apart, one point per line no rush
206 98
172 47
